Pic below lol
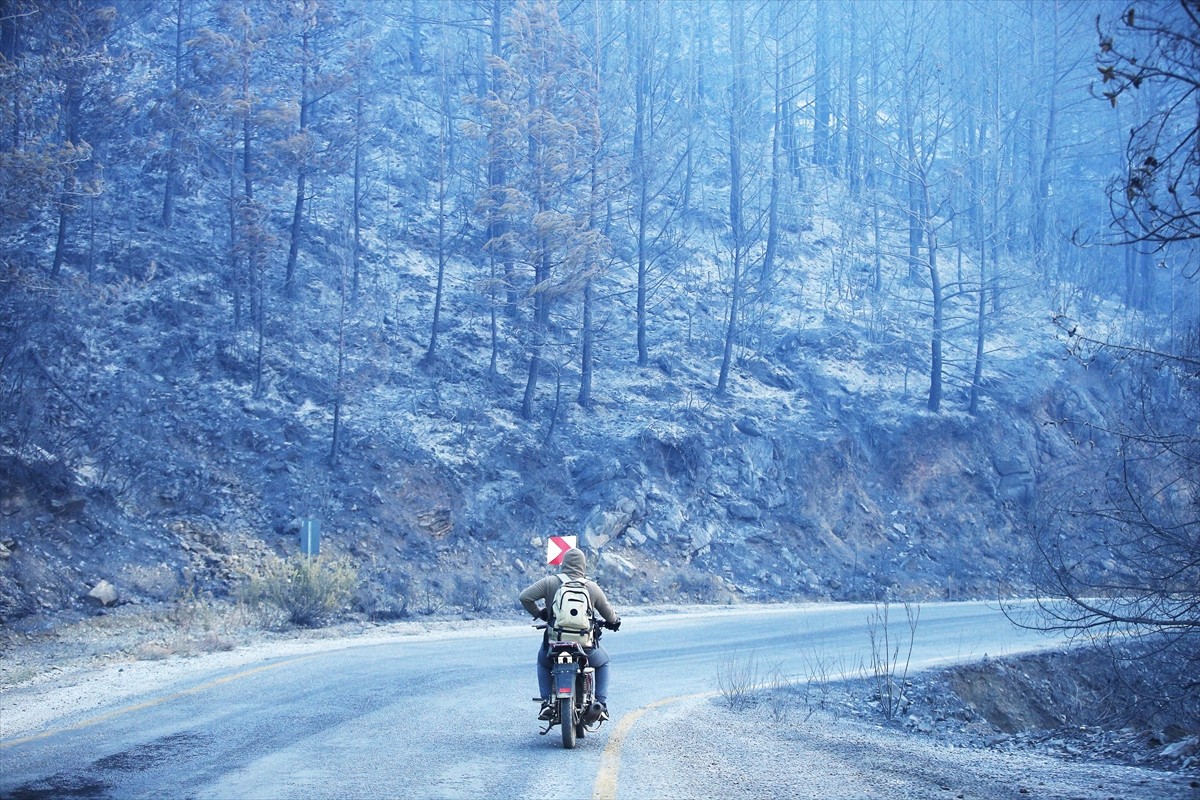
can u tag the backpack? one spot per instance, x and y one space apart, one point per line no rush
572 610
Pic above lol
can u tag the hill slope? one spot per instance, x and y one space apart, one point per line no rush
820 474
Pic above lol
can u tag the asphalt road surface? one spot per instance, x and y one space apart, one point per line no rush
449 715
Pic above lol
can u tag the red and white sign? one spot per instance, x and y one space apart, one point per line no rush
557 547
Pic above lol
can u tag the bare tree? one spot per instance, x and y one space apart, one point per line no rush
1155 50
339 379
175 111
926 112
300 146
891 656
1133 576
652 177
443 169
738 230
1145 504
593 244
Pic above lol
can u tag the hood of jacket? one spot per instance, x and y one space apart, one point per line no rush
574 563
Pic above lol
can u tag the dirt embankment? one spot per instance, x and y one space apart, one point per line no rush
1081 704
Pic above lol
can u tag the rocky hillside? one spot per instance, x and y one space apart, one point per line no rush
820 475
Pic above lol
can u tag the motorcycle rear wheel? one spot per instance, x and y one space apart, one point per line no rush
566 717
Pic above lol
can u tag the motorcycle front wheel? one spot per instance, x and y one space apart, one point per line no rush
566 717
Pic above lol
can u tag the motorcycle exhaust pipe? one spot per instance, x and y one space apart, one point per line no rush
592 713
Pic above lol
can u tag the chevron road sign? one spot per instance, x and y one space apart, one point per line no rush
557 547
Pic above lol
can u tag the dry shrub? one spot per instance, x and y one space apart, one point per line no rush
382 594
738 681
308 591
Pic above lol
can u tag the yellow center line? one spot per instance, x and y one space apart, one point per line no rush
154 701
605 787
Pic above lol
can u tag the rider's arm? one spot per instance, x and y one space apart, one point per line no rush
535 592
600 601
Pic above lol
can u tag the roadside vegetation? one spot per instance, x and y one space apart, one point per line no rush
302 590
1107 700
744 681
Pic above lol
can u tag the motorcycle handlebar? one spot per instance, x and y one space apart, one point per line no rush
598 623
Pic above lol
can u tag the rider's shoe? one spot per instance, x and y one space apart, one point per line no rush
547 712
603 712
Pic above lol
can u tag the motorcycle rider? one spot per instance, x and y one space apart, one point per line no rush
574 565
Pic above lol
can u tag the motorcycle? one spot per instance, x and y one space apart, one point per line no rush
573 683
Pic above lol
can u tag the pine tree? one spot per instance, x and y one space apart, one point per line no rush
544 131
78 67
237 46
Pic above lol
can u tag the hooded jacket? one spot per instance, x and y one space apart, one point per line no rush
574 566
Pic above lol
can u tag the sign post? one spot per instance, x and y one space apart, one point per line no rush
310 537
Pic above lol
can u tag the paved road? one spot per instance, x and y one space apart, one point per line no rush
446 715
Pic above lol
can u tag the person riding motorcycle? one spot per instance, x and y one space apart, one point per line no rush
574 565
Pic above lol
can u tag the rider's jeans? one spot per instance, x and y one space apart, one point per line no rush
595 654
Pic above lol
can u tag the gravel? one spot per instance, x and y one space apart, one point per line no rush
701 748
